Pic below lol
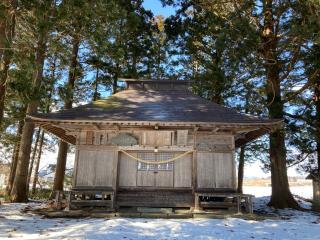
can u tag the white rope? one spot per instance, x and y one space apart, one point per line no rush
156 162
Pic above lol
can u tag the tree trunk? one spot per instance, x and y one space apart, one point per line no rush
281 196
19 189
63 146
35 148
115 83
241 169
36 170
115 86
96 84
14 158
316 97
317 122
61 167
219 81
7 29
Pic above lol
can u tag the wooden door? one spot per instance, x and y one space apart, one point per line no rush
155 175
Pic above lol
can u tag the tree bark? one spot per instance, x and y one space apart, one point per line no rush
7 29
316 97
19 190
35 148
96 85
115 80
61 167
219 80
36 170
115 85
63 146
241 169
281 196
317 122
15 155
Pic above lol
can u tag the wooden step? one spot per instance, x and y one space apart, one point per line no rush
218 204
155 199
91 203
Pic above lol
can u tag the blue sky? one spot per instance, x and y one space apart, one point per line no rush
156 7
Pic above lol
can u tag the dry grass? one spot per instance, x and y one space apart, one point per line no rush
265 182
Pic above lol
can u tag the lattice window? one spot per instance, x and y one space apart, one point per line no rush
150 156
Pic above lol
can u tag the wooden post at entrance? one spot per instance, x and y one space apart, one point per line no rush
196 202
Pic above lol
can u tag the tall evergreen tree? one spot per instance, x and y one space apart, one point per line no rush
275 33
43 20
8 9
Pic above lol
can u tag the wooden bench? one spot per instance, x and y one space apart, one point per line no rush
237 200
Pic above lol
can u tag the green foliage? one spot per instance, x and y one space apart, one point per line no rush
41 194
223 47
217 45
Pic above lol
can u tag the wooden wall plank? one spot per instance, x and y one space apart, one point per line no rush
205 170
183 171
163 178
85 169
83 137
223 170
215 170
145 179
104 161
90 137
127 171
214 143
115 171
95 168
157 138
182 137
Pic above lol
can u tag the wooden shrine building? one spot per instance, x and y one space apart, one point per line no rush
155 144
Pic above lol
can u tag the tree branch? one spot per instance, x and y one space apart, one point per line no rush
300 117
289 96
291 63
299 161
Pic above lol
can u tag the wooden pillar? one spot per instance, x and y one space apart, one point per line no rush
196 202
238 203
250 205
316 195
196 206
115 181
194 172
74 173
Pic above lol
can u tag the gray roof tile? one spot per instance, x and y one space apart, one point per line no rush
154 105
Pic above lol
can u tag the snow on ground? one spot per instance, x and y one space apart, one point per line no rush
261 191
293 225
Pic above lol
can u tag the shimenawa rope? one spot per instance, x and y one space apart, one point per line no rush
156 162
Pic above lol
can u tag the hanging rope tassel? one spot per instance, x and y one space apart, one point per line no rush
156 162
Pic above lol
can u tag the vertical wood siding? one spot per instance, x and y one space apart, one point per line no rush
127 171
145 179
215 170
157 138
183 171
94 168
